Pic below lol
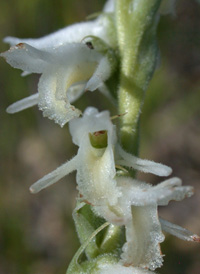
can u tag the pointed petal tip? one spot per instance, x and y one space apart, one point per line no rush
170 170
161 170
5 39
179 231
167 171
190 192
11 49
33 190
158 169
92 85
10 40
195 238
11 110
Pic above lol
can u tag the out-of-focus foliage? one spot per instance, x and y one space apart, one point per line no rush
37 233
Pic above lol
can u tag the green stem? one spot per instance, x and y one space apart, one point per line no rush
136 29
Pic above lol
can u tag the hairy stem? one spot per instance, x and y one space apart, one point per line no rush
136 29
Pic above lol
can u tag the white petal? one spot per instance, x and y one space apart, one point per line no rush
75 92
171 190
135 192
95 175
74 54
70 64
120 269
143 194
23 104
25 73
101 74
120 213
109 6
143 236
27 58
146 166
55 175
70 34
178 231
12 41
54 108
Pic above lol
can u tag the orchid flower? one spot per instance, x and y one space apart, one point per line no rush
139 204
62 68
69 66
137 209
97 158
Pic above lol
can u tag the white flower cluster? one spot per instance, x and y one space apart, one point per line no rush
119 199
78 58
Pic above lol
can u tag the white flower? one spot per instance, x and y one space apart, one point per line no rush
139 203
137 209
120 200
96 166
68 64
109 6
62 68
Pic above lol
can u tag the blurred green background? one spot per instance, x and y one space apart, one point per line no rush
37 234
